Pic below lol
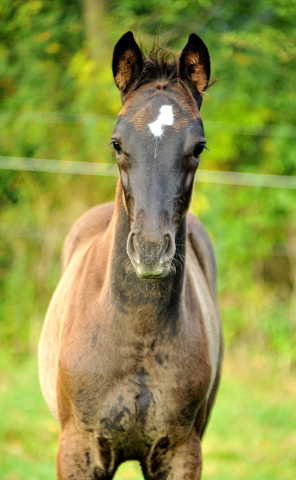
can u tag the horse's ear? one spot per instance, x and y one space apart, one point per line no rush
127 62
194 64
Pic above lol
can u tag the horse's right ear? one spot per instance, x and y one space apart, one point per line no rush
127 62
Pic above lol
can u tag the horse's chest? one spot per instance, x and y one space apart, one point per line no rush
146 407
143 397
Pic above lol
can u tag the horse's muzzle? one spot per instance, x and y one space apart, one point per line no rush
151 257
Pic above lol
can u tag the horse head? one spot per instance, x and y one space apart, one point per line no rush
158 140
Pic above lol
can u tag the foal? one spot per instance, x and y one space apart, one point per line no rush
131 348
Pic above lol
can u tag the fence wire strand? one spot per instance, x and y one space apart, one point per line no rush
106 169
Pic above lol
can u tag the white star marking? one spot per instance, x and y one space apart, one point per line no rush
165 117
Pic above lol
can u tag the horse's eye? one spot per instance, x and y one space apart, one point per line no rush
198 150
116 146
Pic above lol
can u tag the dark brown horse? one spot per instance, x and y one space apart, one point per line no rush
131 348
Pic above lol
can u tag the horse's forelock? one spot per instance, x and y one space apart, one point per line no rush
159 64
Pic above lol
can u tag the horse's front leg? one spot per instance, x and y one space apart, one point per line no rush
82 456
167 462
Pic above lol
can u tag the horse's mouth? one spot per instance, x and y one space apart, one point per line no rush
152 276
156 272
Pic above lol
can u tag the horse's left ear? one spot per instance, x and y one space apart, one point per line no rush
194 64
127 62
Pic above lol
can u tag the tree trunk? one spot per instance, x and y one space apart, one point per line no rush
96 30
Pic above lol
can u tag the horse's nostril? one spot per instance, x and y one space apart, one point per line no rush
132 248
166 242
168 247
151 250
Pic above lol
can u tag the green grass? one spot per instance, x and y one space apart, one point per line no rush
251 436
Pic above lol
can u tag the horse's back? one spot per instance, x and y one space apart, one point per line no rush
92 223
202 248
200 251
86 231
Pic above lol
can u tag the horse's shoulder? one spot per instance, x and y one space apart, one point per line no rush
91 223
202 247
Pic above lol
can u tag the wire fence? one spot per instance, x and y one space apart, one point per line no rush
106 169
110 170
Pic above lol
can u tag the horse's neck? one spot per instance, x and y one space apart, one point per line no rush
146 301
